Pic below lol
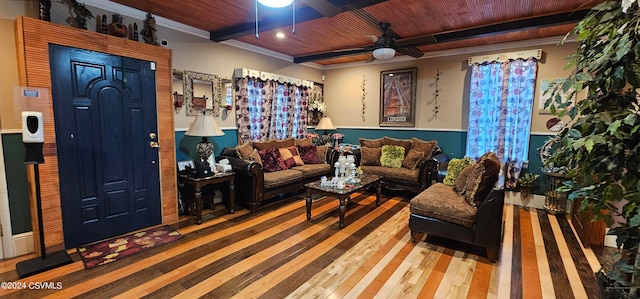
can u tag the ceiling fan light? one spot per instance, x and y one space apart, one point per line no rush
275 3
384 53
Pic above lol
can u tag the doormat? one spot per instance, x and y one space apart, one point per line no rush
121 247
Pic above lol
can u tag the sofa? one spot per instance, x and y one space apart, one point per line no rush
470 211
267 169
404 164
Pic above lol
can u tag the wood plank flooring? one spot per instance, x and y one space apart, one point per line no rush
277 253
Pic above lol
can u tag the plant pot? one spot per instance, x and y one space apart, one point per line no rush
525 195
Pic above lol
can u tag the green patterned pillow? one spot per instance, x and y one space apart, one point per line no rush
453 169
392 156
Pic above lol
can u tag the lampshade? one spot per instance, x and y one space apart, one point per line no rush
325 124
384 53
275 3
204 125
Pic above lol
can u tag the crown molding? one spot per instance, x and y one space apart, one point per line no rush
554 40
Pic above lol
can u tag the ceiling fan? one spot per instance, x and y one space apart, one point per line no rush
385 47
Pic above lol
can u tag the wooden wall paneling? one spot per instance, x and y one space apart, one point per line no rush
32 46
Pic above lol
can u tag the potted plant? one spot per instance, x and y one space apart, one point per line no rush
525 182
599 147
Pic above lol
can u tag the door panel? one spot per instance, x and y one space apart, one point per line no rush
105 110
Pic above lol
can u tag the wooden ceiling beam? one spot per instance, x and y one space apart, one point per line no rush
519 25
490 30
271 22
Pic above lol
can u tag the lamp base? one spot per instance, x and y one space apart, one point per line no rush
38 264
203 169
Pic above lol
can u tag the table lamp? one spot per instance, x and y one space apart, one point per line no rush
205 126
325 124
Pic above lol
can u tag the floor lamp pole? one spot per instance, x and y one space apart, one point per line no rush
44 262
43 248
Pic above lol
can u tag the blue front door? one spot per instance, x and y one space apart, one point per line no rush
105 120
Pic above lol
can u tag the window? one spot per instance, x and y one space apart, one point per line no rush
500 108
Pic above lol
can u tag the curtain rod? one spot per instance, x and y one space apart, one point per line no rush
242 72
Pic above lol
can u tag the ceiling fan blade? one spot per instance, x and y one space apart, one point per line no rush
324 7
371 59
416 41
329 55
411 51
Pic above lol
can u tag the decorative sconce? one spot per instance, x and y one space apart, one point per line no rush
178 102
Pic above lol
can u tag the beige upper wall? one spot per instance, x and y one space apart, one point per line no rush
343 92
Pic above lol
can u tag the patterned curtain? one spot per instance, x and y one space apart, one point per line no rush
267 109
500 108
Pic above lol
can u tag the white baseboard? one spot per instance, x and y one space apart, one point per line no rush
23 244
513 198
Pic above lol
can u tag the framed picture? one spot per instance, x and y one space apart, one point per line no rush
182 165
546 90
398 98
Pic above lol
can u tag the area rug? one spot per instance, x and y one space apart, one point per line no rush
118 248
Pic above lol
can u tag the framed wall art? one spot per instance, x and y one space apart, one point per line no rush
398 98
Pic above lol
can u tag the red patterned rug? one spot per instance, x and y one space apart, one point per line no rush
120 247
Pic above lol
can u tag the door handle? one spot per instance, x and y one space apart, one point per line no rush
154 144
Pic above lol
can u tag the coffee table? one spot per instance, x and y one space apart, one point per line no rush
343 195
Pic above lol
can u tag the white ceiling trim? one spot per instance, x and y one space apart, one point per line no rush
554 40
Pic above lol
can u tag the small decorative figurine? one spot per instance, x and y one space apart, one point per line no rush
149 31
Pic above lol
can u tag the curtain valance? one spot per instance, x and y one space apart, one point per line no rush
503 57
242 72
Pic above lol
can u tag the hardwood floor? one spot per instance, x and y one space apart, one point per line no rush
277 253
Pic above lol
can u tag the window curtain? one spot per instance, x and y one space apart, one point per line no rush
500 108
268 109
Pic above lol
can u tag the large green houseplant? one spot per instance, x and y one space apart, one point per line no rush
600 147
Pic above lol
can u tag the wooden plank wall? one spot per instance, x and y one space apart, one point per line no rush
32 46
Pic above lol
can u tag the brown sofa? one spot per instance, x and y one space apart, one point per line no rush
470 211
418 168
255 182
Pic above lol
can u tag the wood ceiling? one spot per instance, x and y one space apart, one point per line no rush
454 23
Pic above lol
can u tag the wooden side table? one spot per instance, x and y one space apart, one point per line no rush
198 183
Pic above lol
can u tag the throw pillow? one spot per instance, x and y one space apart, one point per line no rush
426 147
372 143
290 156
370 156
453 169
489 177
255 156
287 142
322 153
244 150
412 159
309 154
481 179
304 142
407 144
262 145
392 156
271 160
460 185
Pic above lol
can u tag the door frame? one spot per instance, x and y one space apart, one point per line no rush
6 241
32 50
